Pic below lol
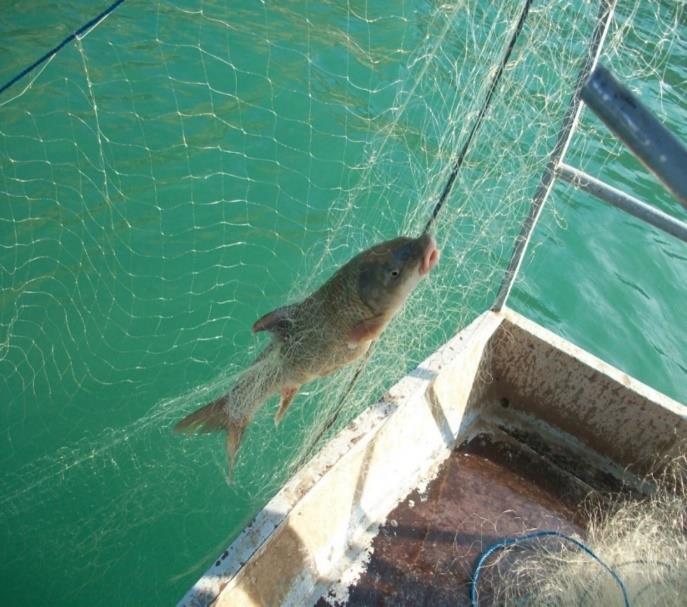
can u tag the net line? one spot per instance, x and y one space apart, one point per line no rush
478 121
442 198
52 52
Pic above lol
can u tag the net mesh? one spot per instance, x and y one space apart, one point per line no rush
184 168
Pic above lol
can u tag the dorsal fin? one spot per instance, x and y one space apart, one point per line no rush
277 321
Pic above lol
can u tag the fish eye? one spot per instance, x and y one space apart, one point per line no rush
395 273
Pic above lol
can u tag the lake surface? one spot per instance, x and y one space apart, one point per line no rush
187 167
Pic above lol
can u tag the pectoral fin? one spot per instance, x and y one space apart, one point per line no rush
287 394
368 329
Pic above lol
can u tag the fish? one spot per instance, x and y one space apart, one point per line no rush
328 330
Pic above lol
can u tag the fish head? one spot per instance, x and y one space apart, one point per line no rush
389 271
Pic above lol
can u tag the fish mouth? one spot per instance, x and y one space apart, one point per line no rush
430 258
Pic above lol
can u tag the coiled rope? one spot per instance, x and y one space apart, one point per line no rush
522 539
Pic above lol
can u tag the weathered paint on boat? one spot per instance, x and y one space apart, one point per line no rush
503 378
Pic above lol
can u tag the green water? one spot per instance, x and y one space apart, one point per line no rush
185 168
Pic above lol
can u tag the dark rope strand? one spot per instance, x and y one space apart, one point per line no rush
337 410
478 122
64 42
444 195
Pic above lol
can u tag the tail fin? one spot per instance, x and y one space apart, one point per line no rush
210 418
233 411
213 418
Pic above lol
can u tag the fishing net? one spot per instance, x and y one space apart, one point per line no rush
641 543
180 169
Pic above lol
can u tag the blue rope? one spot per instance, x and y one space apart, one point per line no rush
512 541
64 42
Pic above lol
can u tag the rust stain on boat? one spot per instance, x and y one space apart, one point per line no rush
487 490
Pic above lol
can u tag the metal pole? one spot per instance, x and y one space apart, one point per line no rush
639 130
623 201
569 122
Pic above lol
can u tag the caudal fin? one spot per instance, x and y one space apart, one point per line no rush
210 418
213 418
233 412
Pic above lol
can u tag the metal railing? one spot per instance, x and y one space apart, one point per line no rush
635 126
621 200
572 115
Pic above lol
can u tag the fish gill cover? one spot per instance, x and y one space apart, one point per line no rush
183 168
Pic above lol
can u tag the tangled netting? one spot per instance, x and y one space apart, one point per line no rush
639 548
178 170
